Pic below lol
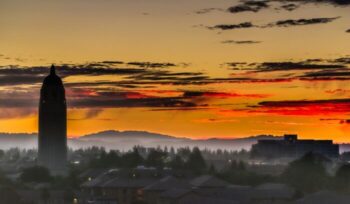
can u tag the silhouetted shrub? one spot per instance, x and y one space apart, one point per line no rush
307 174
196 162
106 160
9 195
177 163
342 178
237 173
36 174
156 158
132 159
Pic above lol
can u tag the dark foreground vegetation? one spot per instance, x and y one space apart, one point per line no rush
308 174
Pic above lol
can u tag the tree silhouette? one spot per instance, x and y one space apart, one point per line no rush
8 195
196 161
2 153
132 159
45 195
307 174
36 174
237 173
68 196
342 178
177 163
212 170
106 160
156 158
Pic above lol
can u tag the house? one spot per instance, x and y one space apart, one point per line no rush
123 186
127 190
272 193
93 187
324 197
265 193
208 181
175 195
239 194
42 197
153 191
91 174
190 196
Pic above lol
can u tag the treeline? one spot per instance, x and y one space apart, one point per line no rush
310 173
184 159
17 154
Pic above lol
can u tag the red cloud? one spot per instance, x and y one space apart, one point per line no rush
304 107
232 95
204 94
136 95
80 92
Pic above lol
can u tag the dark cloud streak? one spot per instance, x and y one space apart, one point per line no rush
301 22
332 2
249 6
240 42
232 26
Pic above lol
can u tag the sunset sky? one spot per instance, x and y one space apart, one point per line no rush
187 68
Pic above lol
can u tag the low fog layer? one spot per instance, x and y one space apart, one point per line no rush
125 140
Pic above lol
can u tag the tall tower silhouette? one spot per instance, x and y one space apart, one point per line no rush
53 124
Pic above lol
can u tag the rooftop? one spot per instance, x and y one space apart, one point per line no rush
208 181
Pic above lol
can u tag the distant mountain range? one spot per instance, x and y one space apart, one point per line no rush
112 139
124 140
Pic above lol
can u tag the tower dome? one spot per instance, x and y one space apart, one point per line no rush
52 79
52 88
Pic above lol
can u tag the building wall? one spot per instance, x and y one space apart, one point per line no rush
292 147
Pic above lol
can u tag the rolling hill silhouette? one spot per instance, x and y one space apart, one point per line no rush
124 140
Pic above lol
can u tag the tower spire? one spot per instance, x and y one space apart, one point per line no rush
52 70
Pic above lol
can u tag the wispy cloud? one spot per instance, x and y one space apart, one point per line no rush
240 42
332 2
249 6
308 64
303 107
290 7
232 26
208 10
280 23
301 22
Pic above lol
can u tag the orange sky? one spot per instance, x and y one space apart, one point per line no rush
304 89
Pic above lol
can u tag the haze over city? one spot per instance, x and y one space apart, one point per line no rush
174 102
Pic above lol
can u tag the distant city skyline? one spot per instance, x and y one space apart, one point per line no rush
187 68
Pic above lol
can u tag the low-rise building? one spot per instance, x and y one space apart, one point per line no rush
292 147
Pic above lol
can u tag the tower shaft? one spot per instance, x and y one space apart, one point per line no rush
53 125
